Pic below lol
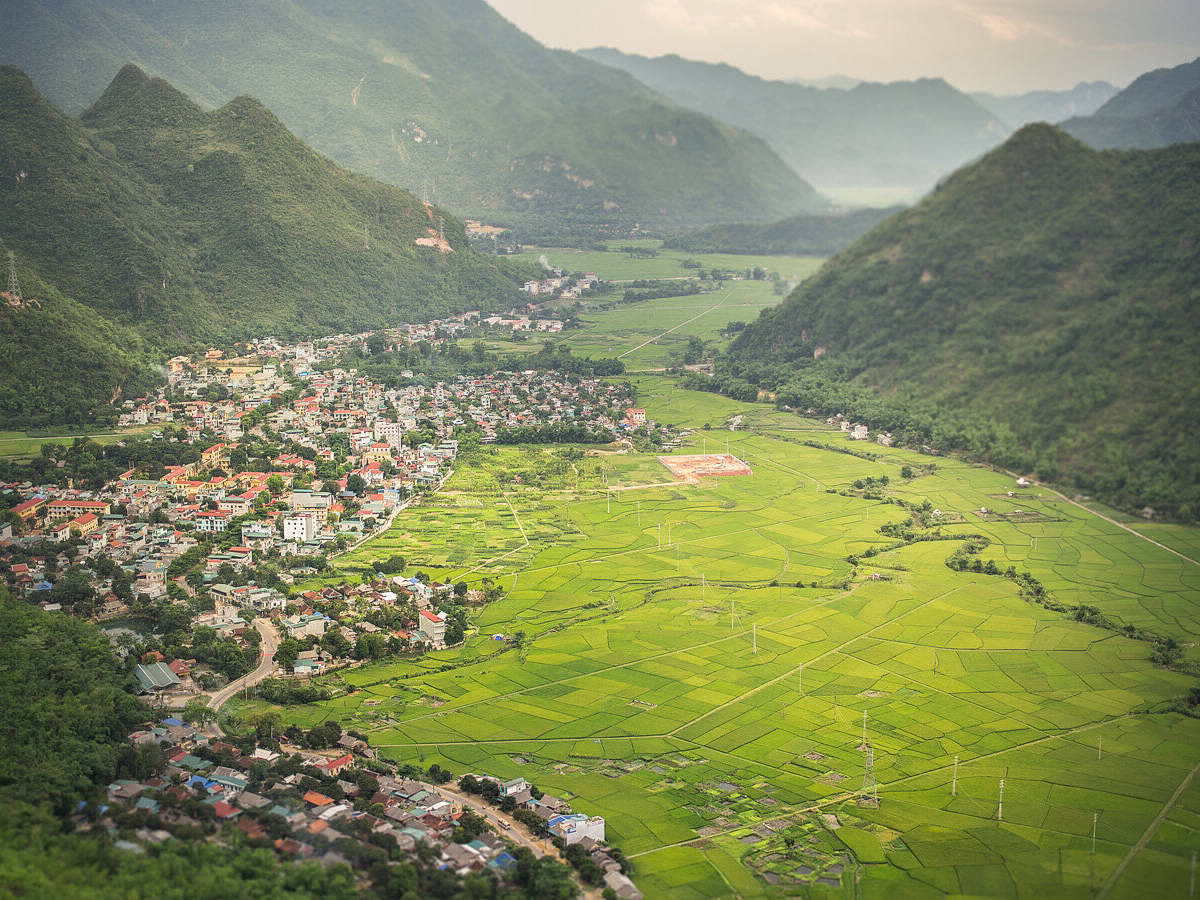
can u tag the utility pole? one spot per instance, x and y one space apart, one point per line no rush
14 286
1000 809
954 781
754 632
366 236
1095 818
800 681
870 791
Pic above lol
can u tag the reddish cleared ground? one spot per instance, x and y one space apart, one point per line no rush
712 465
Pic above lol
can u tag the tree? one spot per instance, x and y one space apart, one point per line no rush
355 483
275 485
198 713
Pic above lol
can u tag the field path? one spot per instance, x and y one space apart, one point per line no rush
1110 520
843 797
677 327
791 673
1145 839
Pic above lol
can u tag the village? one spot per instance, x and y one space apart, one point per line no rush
278 459
325 796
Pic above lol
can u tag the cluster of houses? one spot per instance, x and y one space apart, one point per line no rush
561 286
315 805
856 431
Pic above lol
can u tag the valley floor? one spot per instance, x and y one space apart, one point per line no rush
702 662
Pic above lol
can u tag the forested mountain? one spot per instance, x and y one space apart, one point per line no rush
1047 106
815 235
1159 109
149 224
1039 309
902 135
445 96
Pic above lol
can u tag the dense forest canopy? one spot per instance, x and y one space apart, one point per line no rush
1039 309
149 226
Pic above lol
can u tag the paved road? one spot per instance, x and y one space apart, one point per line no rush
516 832
270 641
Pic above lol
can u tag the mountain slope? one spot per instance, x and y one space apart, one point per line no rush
1159 109
800 235
444 96
1047 106
1040 308
161 226
903 135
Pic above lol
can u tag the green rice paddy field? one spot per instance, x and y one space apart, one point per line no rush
700 658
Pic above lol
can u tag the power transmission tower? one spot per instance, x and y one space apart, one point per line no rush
14 286
870 791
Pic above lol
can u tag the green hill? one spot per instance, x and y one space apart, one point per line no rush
1039 309
904 135
446 97
150 225
1159 109
810 235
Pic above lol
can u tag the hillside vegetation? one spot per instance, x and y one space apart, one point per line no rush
446 97
902 135
815 235
149 225
1159 109
1039 309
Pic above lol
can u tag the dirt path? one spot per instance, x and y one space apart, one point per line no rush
1145 839
1108 519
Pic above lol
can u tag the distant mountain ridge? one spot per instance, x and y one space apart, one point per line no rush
1160 108
441 97
1047 106
906 134
1038 309
815 235
161 226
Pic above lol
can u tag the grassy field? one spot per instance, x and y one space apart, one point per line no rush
615 265
23 444
653 334
702 660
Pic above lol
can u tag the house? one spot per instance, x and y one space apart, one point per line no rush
211 522
575 827
622 886
155 677
335 766
300 528
433 628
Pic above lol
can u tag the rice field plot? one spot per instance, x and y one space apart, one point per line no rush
615 265
703 662
653 333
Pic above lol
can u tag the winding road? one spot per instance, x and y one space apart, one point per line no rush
270 642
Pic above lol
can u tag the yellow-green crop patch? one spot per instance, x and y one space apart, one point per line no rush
699 659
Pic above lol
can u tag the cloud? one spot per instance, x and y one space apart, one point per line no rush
1009 27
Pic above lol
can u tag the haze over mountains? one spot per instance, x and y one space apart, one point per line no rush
1047 106
1039 308
904 135
149 224
445 96
1160 108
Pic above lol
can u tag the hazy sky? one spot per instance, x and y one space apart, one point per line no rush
1005 46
